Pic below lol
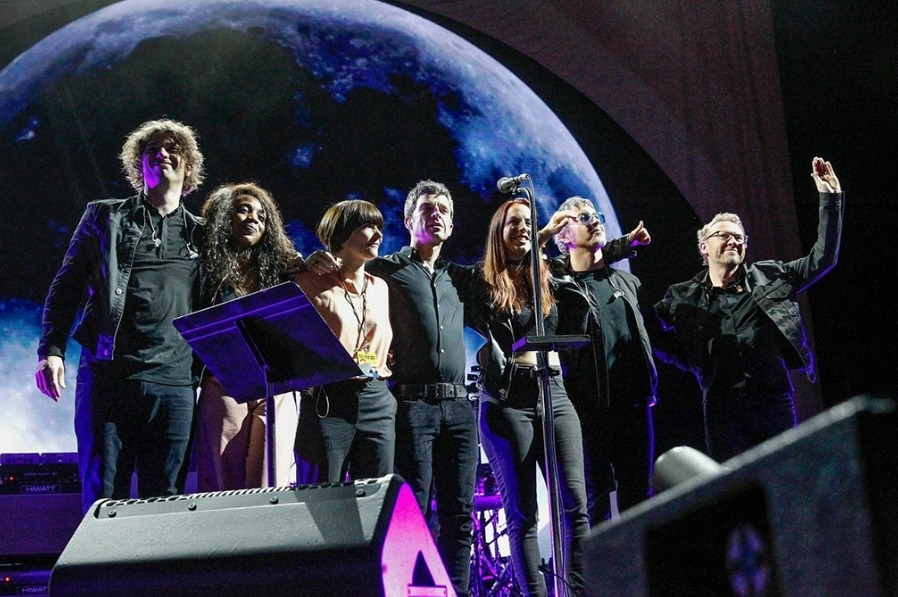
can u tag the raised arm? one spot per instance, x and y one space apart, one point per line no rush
624 247
824 176
556 224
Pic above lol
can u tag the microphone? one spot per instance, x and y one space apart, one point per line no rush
508 184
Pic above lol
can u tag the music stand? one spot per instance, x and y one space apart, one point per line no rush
280 331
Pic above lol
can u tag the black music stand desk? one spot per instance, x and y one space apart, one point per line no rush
279 331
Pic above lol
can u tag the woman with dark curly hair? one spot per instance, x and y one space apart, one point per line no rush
245 250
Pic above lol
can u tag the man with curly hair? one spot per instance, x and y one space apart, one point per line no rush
131 267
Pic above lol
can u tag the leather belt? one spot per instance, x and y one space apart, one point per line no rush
431 391
532 371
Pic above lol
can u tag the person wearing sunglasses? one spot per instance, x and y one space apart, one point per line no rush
738 328
612 380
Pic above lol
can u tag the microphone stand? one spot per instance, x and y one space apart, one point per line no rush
544 405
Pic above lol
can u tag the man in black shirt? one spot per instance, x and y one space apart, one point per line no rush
612 380
137 260
436 429
737 327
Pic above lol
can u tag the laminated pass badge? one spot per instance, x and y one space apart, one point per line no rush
367 361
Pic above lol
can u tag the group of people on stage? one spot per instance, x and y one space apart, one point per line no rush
143 261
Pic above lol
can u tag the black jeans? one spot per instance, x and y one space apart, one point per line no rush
513 442
742 418
618 453
436 446
345 429
122 425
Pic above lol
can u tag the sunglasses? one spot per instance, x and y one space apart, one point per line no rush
586 217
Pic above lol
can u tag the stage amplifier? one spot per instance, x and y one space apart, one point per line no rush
39 473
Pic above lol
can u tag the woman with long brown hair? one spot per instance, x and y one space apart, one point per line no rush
511 426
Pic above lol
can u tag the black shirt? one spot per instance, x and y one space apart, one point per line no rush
625 364
160 288
427 316
749 348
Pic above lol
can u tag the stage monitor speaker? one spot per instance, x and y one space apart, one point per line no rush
363 538
813 511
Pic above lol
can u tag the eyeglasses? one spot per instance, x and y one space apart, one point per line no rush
585 217
739 239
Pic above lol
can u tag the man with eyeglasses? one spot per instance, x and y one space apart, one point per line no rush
131 267
612 380
737 326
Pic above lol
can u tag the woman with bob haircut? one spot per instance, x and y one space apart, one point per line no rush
347 428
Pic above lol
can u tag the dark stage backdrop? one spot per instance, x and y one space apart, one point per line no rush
667 114
732 100
318 102
837 65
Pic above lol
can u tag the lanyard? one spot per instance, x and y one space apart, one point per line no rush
360 319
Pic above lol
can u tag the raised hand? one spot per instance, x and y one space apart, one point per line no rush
824 176
639 236
556 224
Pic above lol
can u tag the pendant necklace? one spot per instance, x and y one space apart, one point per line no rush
157 242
